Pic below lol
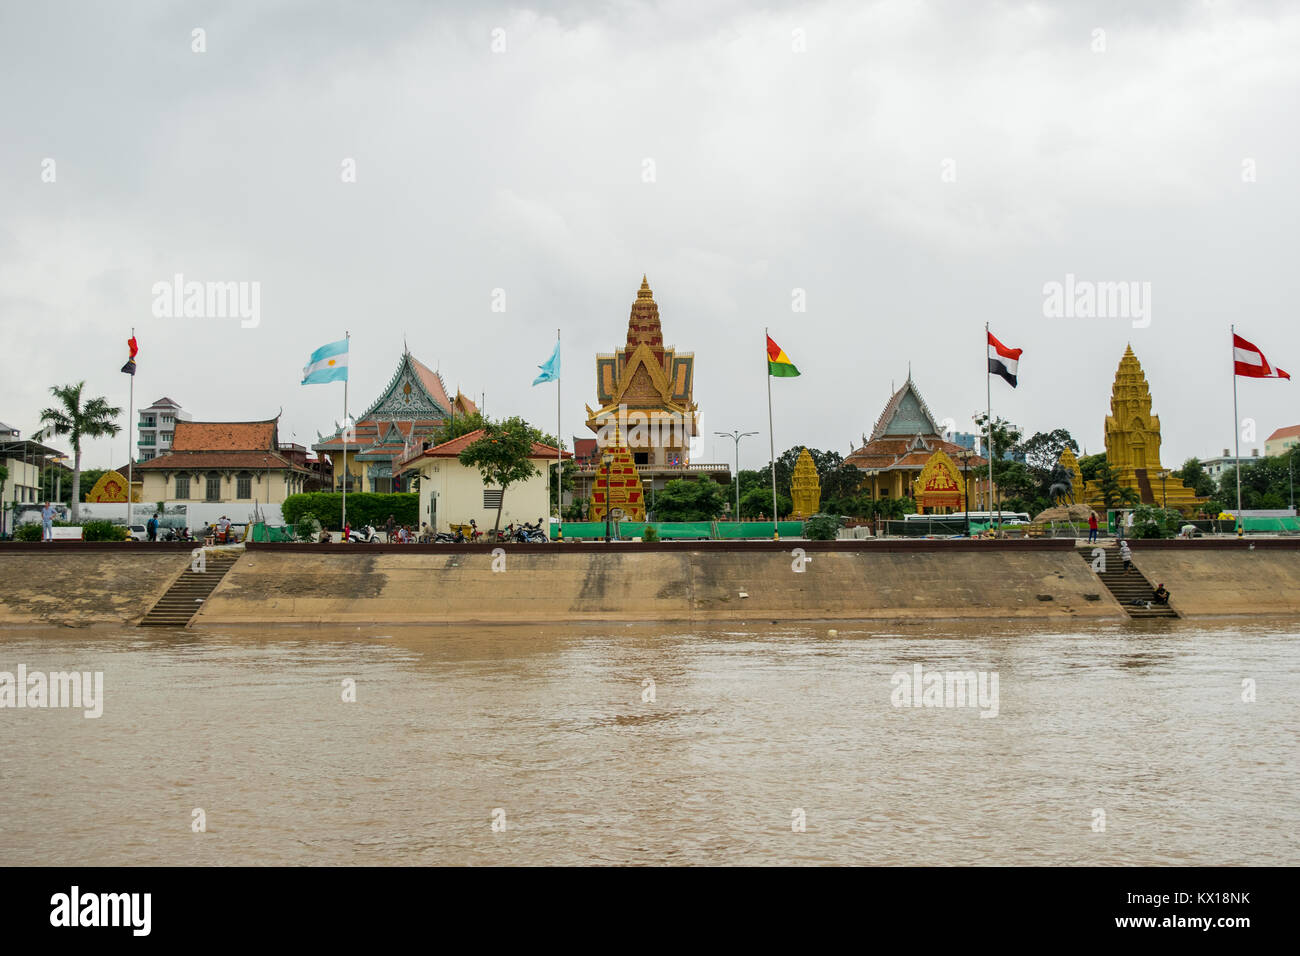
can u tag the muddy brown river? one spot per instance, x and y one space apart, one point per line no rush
1153 743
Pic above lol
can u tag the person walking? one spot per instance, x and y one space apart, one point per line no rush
1092 527
151 526
47 522
390 528
1126 556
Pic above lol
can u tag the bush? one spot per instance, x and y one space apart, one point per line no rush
821 527
1150 522
103 531
307 527
28 532
363 508
650 534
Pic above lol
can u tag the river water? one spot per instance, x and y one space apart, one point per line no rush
1114 744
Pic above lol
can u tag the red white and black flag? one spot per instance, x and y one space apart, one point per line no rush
1003 361
1249 362
129 367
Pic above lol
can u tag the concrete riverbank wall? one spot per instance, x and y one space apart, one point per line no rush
80 584
704 581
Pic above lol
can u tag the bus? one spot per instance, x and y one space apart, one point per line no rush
976 517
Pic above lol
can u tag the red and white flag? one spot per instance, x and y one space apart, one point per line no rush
1003 361
1249 362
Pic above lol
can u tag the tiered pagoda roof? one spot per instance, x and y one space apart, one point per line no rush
905 436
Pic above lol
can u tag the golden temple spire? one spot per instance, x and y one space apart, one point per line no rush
644 292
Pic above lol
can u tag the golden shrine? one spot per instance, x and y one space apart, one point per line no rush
645 392
618 486
111 488
939 485
1133 445
805 487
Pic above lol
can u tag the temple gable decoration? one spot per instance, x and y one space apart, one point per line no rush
940 484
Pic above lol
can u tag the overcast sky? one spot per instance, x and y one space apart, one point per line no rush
917 169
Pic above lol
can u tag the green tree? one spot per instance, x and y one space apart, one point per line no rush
1042 451
758 501
1089 466
502 456
1193 476
1112 494
699 499
1005 435
93 419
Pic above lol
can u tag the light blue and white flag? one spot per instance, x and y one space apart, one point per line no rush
551 370
329 363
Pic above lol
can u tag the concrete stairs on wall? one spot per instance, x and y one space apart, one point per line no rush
188 592
1126 588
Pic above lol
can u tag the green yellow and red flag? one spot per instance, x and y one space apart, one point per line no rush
778 363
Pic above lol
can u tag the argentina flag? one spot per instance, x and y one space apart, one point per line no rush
329 363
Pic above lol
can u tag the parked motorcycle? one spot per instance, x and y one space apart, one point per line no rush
364 535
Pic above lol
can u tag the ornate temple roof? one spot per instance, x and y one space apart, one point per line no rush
905 436
644 375
453 448
413 403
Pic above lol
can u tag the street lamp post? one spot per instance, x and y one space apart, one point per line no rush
736 436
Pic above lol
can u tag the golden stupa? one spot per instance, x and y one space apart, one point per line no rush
1133 446
805 487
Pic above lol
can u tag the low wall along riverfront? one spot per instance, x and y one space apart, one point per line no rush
894 579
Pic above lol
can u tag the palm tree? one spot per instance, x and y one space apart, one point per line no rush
94 419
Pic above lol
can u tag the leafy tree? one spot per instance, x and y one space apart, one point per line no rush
93 419
364 507
502 456
690 500
1193 476
455 427
758 501
1044 450
1005 435
1090 464
1112 494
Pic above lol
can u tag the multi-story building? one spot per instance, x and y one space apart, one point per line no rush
1217 466
1282 440
157 428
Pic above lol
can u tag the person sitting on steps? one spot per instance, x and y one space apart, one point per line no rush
1162 595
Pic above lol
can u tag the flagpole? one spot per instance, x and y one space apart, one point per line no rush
988 394
347 337
559 443
130 433
1236 426
771 437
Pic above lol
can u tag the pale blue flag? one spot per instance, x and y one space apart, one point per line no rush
551 370
329 363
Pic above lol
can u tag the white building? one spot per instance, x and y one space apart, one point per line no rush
157 427
452 493
1218 465
24 460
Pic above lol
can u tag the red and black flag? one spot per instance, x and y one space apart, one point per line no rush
129 367
1004 361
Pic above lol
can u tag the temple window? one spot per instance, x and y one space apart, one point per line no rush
244 485
182 486
213 490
